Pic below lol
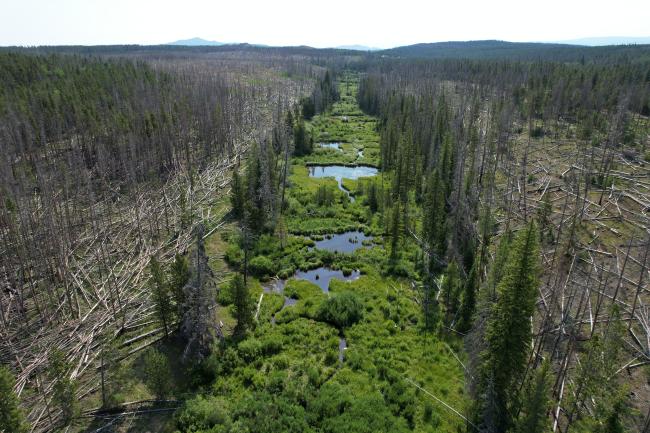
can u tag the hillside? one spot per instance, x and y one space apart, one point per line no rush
194 42
524 51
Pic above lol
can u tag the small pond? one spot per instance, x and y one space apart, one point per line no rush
322 276
343 242
336 146
340 172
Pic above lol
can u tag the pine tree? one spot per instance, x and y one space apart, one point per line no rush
435 218
112 377
535 404
430 304
394 233
446 164
65 388
509 328
497 267
373 203
160 294
243 308
178 278
12 418
157 373
450 290
237 198
468 304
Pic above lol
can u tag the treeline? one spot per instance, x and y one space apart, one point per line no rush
555 89
324 95
524 51
447 140
121 119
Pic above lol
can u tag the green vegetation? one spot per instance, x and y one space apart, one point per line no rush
285 374
12 418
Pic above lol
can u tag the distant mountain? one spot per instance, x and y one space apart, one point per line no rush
610 40
196 42
523 51
357 48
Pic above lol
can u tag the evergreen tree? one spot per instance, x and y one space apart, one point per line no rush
112 375
373 202
12 418
160 294
65 388
497 267
435 218
178 278
237 197
468 304
301 139
450 290
509 328
158 376
394 233
535 404
243 308
430 304
446 164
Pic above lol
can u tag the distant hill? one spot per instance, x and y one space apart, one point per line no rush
524 51
196 42
610 40
357 48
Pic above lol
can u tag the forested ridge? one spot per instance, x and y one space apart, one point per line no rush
289 239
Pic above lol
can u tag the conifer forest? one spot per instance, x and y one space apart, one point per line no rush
435 238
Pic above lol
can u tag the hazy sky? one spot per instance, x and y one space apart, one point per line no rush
320 24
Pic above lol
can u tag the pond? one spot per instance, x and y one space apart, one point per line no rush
322 276
336 146
340 172
343 242
319 276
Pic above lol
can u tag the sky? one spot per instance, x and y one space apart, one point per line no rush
325 23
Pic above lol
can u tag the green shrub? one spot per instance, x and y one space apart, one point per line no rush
204 413
250 349
234 255
341 310
261 266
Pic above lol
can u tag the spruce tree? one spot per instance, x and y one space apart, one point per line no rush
535 403
450 290
157 373
242 303
446 164
435 218
237 198
65 388
509 329
468 303
12 418
394 233
178 278
160 294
